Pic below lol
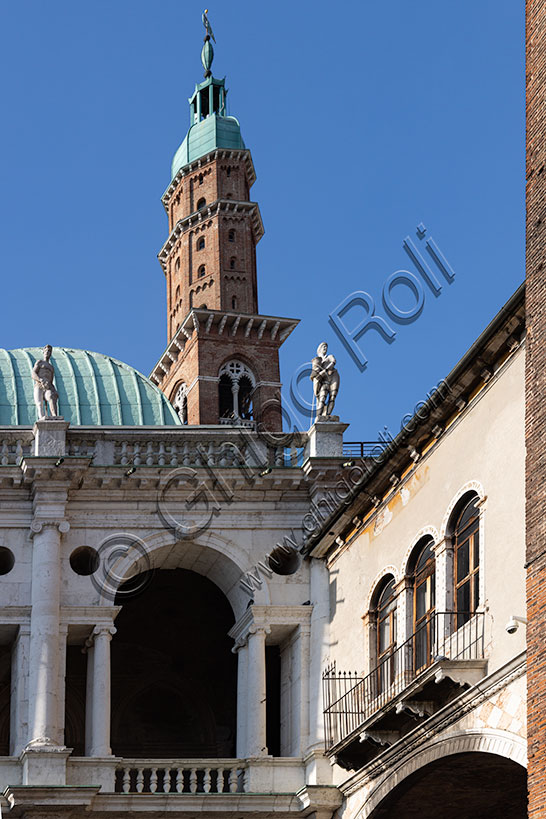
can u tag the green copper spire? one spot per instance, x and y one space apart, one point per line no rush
210 127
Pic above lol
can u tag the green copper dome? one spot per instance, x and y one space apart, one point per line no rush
94 390
205 136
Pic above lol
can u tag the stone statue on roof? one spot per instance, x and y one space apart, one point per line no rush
325 380
46 396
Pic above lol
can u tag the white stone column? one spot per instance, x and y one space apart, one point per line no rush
97 728
63 635
90 652
19 691
256 710
44 633
319 649
300 690
242 697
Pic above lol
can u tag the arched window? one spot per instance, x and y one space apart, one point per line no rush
177 294
232 263
228 171
234 302
201 271
385 637
177 263
423 566
201 204
231 235
201 243
200 178
235 391
466 547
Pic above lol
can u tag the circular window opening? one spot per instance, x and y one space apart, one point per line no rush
7 560
84 560
284 560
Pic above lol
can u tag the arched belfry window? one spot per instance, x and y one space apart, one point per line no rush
466 547
231 235
385 636
201 270
235 390
201 243
201 203
423 574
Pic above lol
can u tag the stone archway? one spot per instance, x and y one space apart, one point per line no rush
174 676
466 775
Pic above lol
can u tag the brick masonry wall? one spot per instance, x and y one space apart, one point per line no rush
535 423
197 277
204 355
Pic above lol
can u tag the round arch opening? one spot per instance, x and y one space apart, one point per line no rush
472 784
174 676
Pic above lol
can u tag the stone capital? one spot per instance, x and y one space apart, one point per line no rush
38 526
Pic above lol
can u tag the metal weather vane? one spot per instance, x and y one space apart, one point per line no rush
208 27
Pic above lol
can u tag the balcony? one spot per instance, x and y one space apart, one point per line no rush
363 714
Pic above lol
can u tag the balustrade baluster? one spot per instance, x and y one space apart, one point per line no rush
174 455
140 780
232 782
150 454
161 458
5 453
126 787
18 451
153 780
211 460
206 781
193 780
179 780
186 454
124 460
136 454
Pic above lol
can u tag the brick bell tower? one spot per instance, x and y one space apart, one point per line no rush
221 364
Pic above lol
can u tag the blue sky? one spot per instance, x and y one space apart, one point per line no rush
364 119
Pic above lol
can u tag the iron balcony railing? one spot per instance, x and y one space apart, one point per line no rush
350 700
363 449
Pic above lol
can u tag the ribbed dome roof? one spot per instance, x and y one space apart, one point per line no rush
94 390
206 136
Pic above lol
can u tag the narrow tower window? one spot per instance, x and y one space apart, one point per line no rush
177 264
201 271
232 263
231 235
202 202
201 243
234 303
200 178
228 171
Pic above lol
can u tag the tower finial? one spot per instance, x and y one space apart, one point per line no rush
207 53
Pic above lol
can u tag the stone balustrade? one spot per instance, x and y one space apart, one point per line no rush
233 448
14 446
176 776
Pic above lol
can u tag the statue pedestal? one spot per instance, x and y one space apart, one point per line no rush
325 439
50 437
